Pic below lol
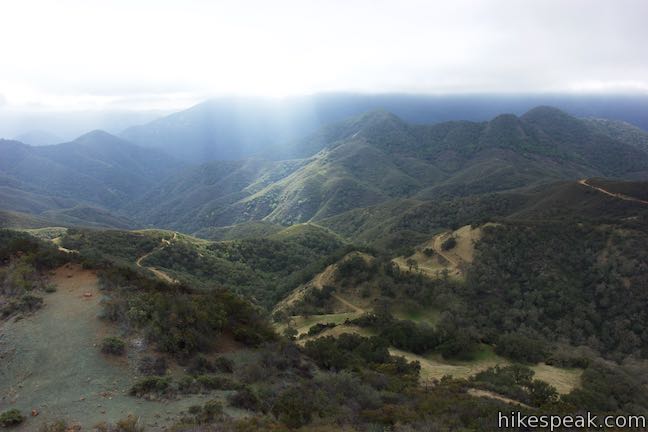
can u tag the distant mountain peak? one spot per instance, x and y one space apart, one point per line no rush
379 116
96 134
545 112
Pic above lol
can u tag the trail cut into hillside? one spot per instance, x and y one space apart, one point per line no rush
157 272
584 182
325 278
435 257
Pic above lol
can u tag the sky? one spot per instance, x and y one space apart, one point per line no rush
164 55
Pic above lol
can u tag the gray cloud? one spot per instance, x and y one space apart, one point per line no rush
77 56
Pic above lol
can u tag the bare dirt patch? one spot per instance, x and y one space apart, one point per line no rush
432 259
51 362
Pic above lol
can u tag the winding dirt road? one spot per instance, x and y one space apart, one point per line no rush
612 194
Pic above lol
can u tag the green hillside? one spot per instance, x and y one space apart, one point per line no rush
376 157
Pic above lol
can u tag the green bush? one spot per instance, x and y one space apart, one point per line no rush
207 413
521 348
113 345
215 382
10 418
151 385
246 399
200 365
449 243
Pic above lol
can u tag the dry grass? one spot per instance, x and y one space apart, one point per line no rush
451 260
435 367
565 380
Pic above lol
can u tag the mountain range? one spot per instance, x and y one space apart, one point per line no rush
372 159
237 128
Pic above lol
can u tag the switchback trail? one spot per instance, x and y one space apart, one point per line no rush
438 248
612 194
157 272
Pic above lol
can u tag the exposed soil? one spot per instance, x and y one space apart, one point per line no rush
51 362
157 272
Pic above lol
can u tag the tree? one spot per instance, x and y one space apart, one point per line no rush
290 332
411 263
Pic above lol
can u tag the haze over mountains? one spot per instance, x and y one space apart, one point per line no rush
292 176
236 128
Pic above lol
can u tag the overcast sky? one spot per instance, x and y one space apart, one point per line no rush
159 54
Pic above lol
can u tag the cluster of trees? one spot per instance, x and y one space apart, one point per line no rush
450 341
263 270
350 351
178 320
23 275
516 382
579 281
124 247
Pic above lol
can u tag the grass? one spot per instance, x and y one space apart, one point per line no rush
435 367
565 380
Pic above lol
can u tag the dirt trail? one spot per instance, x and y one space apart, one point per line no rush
51 362
326 277
157 272
348 304
57 242
489 394
584 182
437 246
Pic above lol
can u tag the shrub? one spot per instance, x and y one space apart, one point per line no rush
188 385
294 408
223 364
201 364
290 333
449 243
10 418
521 348
206 413
130 424
153 366
319 328
215 382
245 399
460 346
113 345
150 385
57 426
